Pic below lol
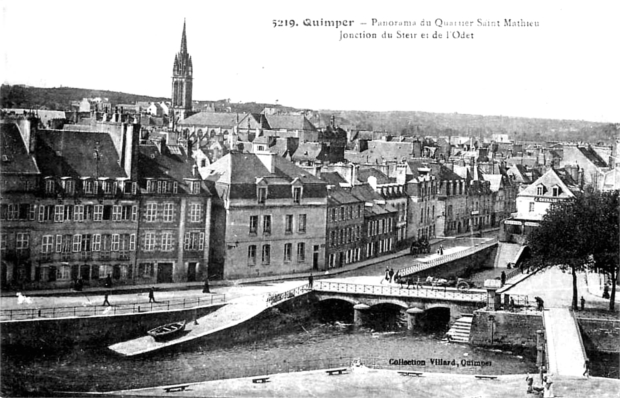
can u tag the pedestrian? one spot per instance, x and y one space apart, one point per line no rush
606 292
391 274
586 372
152 295
540 303
409 282
548 388
530 383
205 289
543 370
511 305
387 275
441 250
503 278
79 284
583 303
310 280
105 300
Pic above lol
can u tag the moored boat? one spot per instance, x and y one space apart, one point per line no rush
167 331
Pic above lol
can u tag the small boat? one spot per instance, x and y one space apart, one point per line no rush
167 331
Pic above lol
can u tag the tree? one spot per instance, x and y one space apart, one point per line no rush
580 234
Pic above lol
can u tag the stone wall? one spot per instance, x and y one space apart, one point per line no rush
94 330
506 330
600 335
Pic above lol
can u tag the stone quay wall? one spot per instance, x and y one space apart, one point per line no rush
506 329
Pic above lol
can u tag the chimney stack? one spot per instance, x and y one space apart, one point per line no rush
268 160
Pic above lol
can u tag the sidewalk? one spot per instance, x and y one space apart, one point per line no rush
143 288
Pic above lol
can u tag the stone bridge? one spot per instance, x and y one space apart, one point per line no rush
419 303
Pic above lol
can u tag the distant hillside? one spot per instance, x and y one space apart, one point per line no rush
60 98
395 123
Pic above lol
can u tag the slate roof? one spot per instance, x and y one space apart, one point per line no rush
169 164
13 147
553 177
212 119
341 197
592 156
363 174
333 178
44 115
65 153
310 151
389 151
444 173
241 171
289 122
366 193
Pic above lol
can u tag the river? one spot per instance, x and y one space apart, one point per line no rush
309 345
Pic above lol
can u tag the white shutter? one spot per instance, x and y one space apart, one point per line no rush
201 241
134 213
132 242
186 241
116 240
116 212
58 243
96 242
175 187
77 240
41 213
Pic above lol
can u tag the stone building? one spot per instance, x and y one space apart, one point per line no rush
269 216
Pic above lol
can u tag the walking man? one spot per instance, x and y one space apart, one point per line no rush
310 280
152 295
441 250
503 278
391 274
205 289
583 303
105 300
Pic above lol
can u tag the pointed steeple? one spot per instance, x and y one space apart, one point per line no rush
183 40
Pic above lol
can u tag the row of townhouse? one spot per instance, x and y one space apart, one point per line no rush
95 206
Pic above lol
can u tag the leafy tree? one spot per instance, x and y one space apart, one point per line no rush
580 234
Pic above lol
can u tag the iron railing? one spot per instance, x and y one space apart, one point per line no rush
421 291
276 298
120 309
421 266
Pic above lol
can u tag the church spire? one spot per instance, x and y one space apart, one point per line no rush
183 40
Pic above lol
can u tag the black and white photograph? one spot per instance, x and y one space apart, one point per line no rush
309 199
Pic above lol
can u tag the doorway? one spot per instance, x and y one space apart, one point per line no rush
164 273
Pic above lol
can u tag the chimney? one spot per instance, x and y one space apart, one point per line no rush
268 159
353 174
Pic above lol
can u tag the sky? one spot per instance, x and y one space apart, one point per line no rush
565 68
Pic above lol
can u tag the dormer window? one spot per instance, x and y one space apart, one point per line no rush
50 186
556 191
89 186
540 190
194 187
262 194
296 194
106 186
151 186
69 186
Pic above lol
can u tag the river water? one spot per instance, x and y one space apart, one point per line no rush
308 346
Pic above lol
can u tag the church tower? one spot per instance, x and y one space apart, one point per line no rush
182 72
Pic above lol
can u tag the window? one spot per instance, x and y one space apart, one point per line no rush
59 213
266 224
341 213
13 212
195 212
194 187
149 241
333 215
69 186
252 255
78 213
96 242
151 186
47 244
22 240
50 186
89 187
531 207
166 241
116 242
556 191
194 240
332 237
296 194
266 258
107 187
3 241
262 195
86 243
302 223
67 240
88 212
540 190
253 224
98 216
301 252
77 243
288 248
288 224
58 243
151 212
168 212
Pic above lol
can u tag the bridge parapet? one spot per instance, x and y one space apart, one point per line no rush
421 266
452 294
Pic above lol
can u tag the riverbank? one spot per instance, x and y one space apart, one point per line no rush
367 382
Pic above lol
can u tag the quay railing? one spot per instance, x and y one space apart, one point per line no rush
278 297
119 309
422 266
419 291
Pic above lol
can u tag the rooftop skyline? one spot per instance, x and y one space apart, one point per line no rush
559 70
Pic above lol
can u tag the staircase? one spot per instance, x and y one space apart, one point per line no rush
459 332
507 253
